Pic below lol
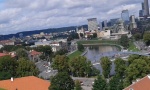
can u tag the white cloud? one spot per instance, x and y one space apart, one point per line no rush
23 15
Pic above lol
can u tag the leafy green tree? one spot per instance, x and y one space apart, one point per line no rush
80 47
124 41
94 35
22 53
81 35
106 66
100 84
131 58
61 52
146 38
7 67
79 66
115 83
61 63
138 69
120 66
77 85
61 81
26 68
47 50
137 36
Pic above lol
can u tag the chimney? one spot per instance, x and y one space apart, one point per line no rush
12 79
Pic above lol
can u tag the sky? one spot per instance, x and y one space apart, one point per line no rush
27 15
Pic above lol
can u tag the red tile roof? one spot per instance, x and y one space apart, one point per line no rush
33 53
3 54
25 83
142 84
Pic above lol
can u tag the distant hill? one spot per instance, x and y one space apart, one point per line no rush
51 30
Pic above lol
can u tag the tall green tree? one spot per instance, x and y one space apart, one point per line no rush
80 47
120 66
146 38
22 53
137 36
124 41
100 84
115 83
138 69
61 63
61 81
78 85
106 66
26 68
94 35
79 66
7 67
131 58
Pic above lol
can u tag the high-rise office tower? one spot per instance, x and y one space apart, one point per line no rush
104 23
125 16
146 8
92 24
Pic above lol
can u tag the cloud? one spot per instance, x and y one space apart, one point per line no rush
25 15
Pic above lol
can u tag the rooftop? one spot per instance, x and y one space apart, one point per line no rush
25 83
141 84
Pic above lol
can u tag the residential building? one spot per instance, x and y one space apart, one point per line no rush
104 24
25 83
35 56
92 24
140 84
7 42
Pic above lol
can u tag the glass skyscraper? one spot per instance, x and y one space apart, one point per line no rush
125 16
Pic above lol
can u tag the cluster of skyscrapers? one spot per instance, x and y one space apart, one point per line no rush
145 9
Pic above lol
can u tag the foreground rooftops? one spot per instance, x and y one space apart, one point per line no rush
25 83
140 84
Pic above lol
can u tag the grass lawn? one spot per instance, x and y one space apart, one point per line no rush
75 54
132 47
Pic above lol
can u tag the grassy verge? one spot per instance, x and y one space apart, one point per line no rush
98 41
132 47
75 54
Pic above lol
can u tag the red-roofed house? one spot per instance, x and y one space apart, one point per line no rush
140 84
3 54
35 55
25 83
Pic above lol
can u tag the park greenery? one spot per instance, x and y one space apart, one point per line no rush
126 72
146 38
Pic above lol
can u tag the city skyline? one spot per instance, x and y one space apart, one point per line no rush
18 15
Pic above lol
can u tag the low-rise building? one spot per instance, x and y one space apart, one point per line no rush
35 56
7 42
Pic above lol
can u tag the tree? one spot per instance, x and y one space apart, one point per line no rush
100 84
138 69
21 53
80 67
146 38
80 47
61 81
94 35
106 66
61 52
26 68
120 66
124 41
81 35
7 67
131 58
116 83
61 63
137 36
78 85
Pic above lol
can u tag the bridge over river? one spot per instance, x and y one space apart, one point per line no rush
123 55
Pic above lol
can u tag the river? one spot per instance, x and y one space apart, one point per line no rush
94 53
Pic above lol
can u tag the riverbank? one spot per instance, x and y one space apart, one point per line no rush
75 54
